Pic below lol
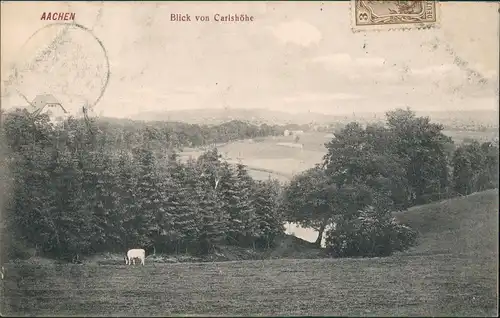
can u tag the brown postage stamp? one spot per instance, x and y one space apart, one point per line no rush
386 15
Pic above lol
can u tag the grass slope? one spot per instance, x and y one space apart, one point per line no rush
452 272
466 225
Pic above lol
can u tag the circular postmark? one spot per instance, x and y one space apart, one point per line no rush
62 64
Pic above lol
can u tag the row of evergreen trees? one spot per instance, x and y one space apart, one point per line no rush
73 193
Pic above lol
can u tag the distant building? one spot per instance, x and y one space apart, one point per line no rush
42 101
286 132
48 102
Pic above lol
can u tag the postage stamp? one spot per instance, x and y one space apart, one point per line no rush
387 15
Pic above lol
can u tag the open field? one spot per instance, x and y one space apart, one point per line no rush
269 156
459 136
412 285
265 157
453 271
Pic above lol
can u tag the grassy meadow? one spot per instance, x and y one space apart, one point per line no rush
452 272
265 156
459 136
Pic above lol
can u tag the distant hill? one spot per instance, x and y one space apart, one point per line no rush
487 118
217 116
465 120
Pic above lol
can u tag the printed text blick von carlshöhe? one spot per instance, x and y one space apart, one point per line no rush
185 17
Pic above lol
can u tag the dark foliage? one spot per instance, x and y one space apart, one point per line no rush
74 192
81 193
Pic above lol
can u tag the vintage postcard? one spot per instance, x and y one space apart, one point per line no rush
259 158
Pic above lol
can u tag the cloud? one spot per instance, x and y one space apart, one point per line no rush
333 59
177 91
383 76
344 60
195 90
355 70
490 74
315 97
297 32
370 61
435 70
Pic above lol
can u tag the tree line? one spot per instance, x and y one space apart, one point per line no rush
124 133
86 187
77 189
370 172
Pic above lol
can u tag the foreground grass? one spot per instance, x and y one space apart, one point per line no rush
451 272
405 285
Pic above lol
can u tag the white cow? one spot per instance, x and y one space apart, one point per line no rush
133 254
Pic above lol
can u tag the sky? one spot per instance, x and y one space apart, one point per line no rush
294 57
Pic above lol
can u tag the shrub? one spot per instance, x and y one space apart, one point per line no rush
369 234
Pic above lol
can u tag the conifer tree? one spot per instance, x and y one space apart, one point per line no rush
245 206
269 218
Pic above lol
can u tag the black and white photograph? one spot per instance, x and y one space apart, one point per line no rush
249 158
